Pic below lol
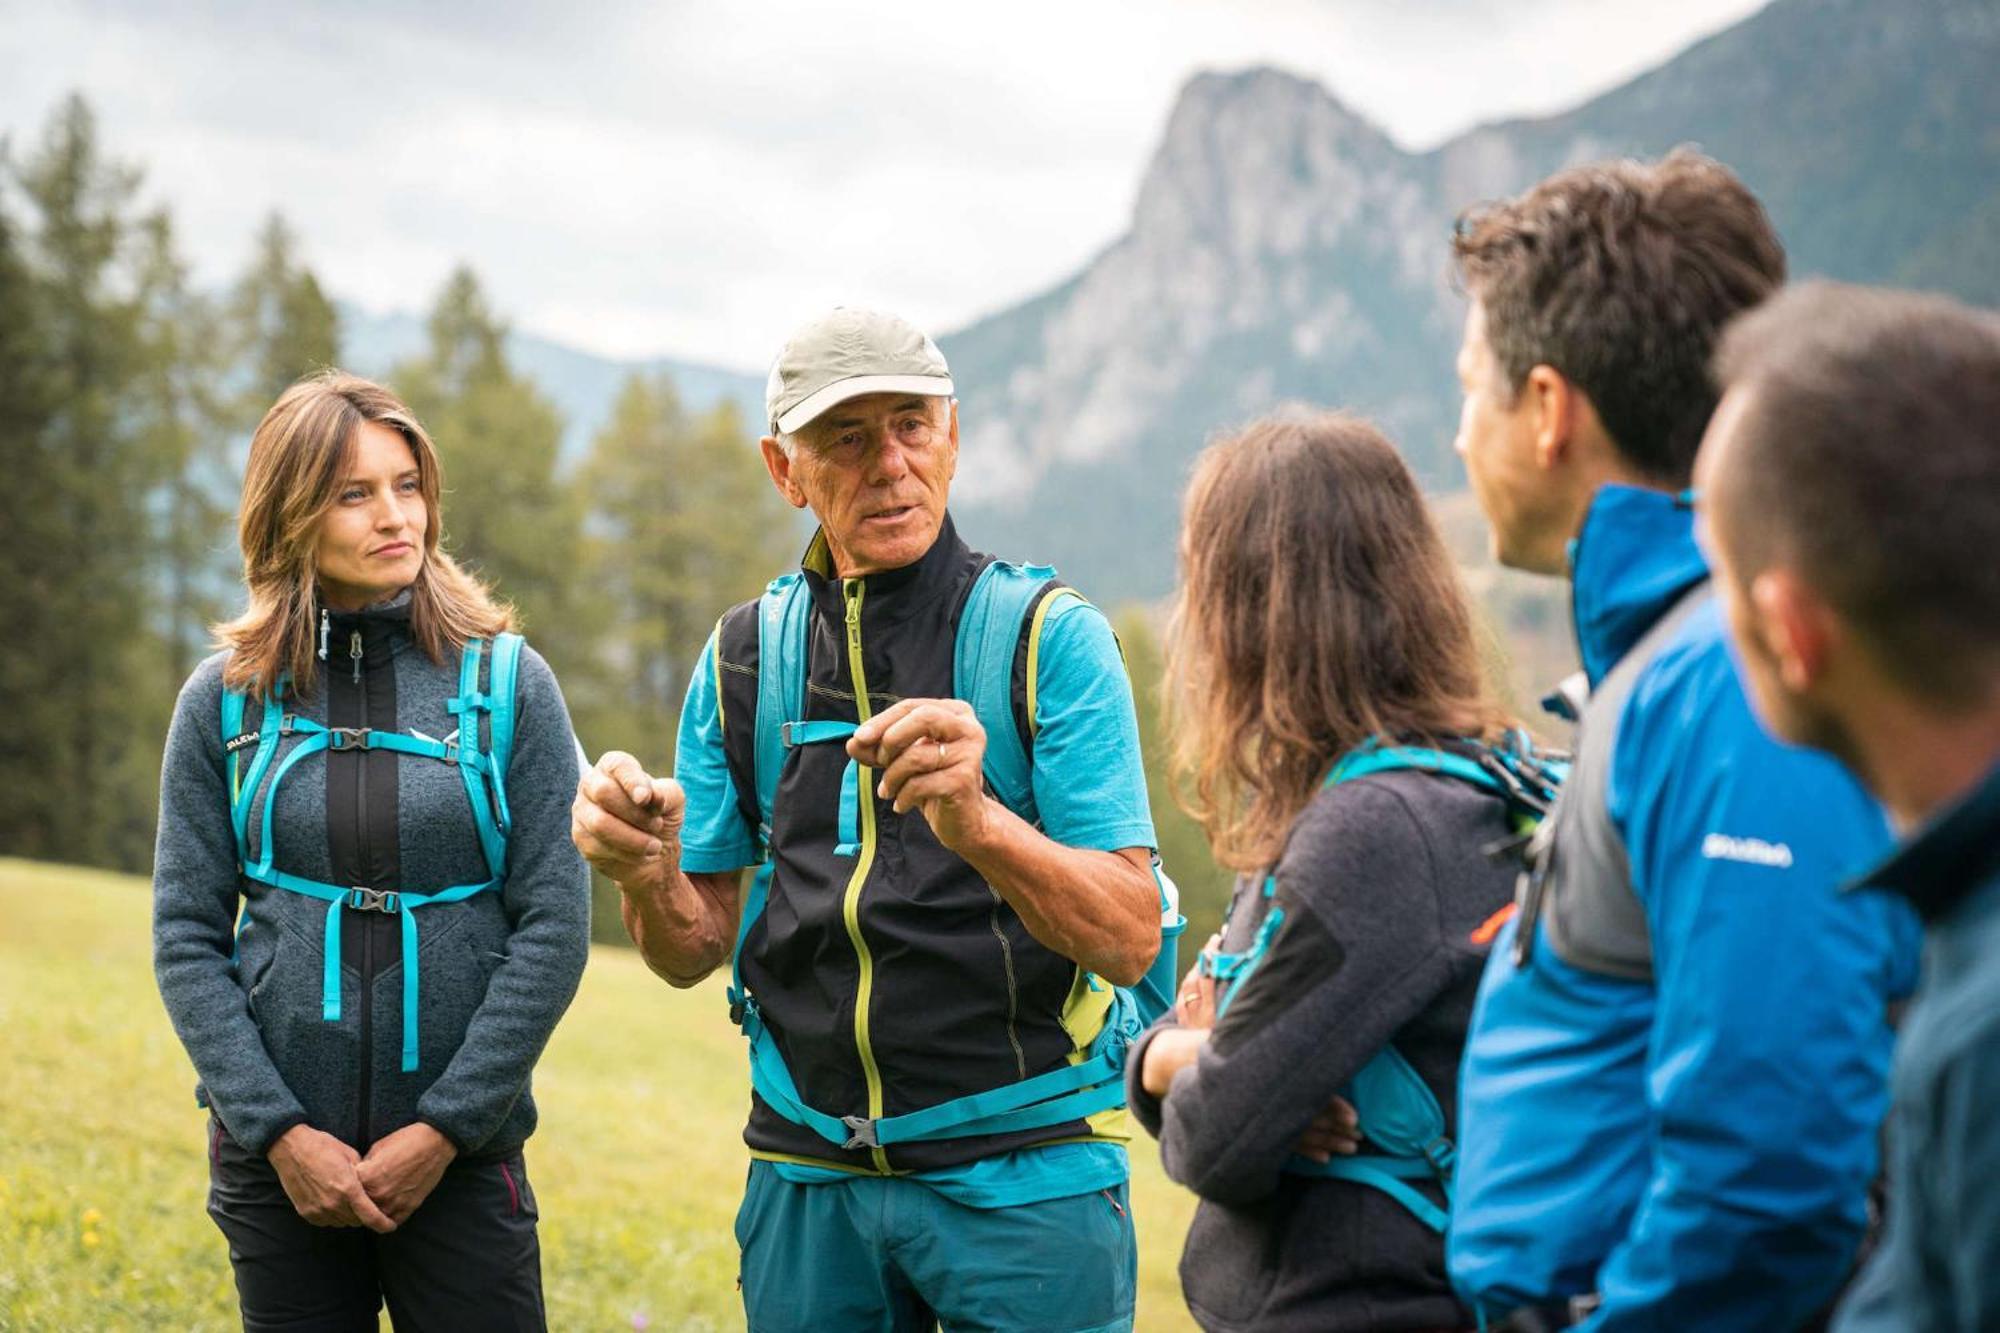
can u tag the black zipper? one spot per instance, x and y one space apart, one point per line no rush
1013 986
366 921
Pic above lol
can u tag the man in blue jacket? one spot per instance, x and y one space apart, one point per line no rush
1677 1065
1851 496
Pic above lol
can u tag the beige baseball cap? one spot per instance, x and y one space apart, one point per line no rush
846 353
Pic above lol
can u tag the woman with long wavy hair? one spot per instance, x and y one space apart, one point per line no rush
1330 720
368 916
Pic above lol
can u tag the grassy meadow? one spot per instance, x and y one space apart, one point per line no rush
637 1167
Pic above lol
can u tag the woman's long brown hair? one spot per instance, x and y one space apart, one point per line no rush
298 460
1317 608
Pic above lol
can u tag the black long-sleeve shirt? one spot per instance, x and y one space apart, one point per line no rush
1383 884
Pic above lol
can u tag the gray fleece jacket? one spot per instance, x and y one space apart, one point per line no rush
1383 883
497 969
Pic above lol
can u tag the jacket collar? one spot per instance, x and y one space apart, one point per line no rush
1634 558
1950 857
384 627
891 591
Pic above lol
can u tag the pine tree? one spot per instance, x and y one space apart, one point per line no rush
77 760
27 530
684 523
508 512
284 325
182 420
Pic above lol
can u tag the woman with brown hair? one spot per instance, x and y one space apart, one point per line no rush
377 773
1334 734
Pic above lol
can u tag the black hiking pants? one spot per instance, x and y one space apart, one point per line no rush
468 1258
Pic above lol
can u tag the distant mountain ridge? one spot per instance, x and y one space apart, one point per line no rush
1283 248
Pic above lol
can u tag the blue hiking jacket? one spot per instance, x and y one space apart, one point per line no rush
1695 1149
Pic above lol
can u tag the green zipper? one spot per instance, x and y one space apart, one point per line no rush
853 590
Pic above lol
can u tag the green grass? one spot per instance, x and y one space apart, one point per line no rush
638 1165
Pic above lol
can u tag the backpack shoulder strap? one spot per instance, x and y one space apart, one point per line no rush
243 784
1513 768
730 663
1047 601
232 715
502 679
782 625
1374 757
232 731
1004 597
781 682
475 751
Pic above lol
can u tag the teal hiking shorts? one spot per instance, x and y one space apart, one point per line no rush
881 1255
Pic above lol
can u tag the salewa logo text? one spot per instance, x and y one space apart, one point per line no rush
1751 851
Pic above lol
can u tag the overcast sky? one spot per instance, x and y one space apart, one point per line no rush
692 179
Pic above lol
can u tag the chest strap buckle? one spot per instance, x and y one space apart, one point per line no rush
374 900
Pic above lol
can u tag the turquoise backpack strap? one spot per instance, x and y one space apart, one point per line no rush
781 700
1373 757
781 693
488 811
502 678
1390 1175
233 743
244 784
982 669
1005 598
1231 970
1401 1116
482 762
1072 1092
243 792
479 753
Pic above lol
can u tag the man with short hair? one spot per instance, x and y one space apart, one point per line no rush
1850 488
926 973
1677 1063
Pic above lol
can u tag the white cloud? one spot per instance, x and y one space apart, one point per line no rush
694 178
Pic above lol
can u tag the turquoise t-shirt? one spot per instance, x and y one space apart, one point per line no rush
1090 789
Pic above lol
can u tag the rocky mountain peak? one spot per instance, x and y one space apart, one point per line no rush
1237 141
1283 248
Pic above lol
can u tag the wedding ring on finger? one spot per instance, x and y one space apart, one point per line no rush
943 757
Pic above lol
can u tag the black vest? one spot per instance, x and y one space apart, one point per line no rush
958 997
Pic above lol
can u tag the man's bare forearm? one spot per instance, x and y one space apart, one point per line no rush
684 925
1098 909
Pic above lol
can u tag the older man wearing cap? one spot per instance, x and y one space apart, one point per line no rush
941 788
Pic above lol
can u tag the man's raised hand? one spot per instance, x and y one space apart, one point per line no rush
929 754
626 822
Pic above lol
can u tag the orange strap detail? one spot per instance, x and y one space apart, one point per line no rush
1491 925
